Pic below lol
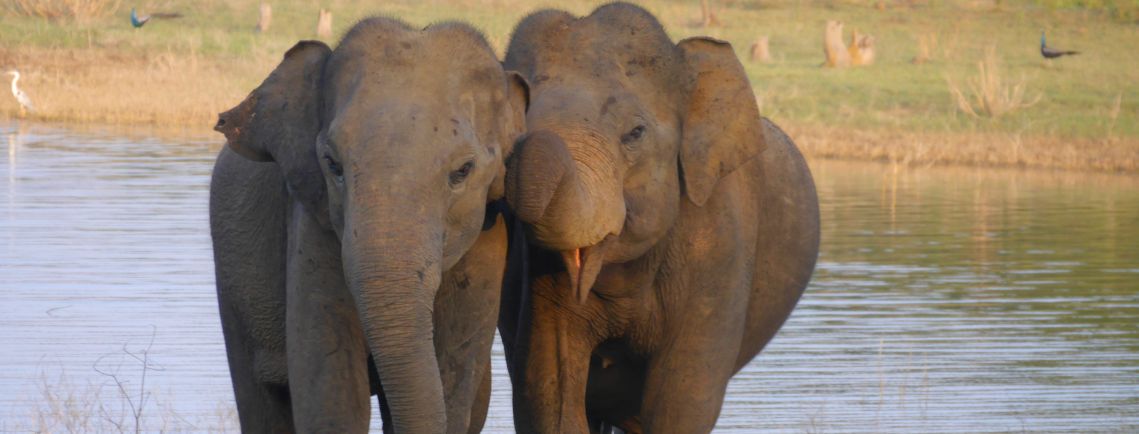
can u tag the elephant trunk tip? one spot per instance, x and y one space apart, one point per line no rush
539 166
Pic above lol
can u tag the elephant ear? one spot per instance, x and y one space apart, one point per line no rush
722 129
279 122
518 102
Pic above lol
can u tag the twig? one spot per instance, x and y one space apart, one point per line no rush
144 359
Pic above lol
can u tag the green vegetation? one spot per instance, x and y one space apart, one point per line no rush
1087 103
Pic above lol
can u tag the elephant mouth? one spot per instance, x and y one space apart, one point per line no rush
583 264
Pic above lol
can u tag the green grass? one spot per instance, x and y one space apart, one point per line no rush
1078 93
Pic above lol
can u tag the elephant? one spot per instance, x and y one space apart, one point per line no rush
358 239
665 231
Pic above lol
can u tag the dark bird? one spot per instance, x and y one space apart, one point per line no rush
1052 53
138 21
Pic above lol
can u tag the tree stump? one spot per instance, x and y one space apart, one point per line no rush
707 16
759 50
266 18
836 51
324 24
926 44
861 49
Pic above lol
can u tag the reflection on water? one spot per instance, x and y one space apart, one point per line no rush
946 300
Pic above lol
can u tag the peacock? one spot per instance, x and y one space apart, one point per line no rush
1052 53
138 21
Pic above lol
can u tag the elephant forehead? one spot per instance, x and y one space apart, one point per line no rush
397 121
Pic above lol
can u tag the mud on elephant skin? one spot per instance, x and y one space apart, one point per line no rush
352 215
671 229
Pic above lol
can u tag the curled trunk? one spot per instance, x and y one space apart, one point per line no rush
556 196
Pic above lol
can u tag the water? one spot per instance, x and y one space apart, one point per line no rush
946 300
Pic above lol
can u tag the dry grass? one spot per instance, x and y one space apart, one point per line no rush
927 43
990 95
66 406
967 148
182 73
103 86
77 10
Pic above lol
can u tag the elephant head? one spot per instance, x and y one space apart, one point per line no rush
624 126
395 143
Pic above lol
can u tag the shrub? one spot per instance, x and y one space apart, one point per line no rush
989 95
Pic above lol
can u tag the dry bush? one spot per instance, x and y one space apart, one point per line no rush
66 406
990 96
76 10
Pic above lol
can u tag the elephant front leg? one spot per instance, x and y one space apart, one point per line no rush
688 375
328 369
556 365
465 313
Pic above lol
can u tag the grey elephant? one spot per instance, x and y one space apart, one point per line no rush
353 221
671 229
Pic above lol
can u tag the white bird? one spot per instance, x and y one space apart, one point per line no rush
21 97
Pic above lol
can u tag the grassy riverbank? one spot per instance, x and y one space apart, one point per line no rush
1076 113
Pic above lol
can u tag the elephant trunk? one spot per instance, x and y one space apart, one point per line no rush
565 202
572 203
394 277
541 167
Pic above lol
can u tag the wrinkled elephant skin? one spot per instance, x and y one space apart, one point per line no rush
357 243
672 230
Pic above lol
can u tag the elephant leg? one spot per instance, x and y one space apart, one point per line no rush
328 360
385 412
556 363
482 402
465 314
688 375
616 385
248 206
262 406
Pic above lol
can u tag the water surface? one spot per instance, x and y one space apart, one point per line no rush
945 300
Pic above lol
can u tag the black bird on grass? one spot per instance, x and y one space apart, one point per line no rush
1052 53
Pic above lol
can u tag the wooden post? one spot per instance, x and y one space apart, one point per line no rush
836 51
707 17
759 50
926 43
324 24
266 18
861 49
866 50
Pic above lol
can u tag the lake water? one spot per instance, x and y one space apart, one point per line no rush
945 300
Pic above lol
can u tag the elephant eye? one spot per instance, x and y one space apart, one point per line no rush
633 135
333 166
459 175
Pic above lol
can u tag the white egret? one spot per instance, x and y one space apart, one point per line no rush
21 97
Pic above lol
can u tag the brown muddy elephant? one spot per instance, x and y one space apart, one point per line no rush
353 221
671 229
